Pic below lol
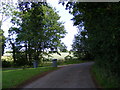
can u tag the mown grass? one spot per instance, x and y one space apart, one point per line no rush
12 78
105 80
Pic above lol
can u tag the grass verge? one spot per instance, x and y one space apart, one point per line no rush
12 78
103 79
71 62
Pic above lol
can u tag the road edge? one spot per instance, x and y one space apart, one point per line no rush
34 78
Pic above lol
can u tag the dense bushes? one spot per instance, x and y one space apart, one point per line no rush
104 78
84 55
21 59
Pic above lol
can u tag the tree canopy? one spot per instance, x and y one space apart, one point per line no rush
38 30
101 22
6 10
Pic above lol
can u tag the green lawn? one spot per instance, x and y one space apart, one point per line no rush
73 61
12 78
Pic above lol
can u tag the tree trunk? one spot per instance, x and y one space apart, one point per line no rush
29 54
13 47
26 52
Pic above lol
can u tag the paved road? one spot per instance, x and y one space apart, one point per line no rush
71 76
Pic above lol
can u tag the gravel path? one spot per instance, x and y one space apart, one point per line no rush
71 76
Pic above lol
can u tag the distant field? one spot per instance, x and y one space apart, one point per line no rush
8 57
60 57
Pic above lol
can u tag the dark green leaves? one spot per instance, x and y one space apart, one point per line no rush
38 29
101 21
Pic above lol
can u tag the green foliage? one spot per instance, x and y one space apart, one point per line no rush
68 57
6 10
2 41
62 47
80 48
101 23
71 61
104 78
21 60
8 51
38 30
6 63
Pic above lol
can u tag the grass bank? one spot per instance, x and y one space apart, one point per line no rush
103 79
12 78
73 61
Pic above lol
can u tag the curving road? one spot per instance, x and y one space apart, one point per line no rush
71 76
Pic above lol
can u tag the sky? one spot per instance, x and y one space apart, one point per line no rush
65 17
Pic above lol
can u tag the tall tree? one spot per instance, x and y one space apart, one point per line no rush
101 20
38 30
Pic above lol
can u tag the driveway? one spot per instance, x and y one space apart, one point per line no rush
71 76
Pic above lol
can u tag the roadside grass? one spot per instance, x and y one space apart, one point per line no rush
64 62
72 61
103 79
12 78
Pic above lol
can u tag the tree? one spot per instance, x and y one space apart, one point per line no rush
6 10
2 41
38 29
102 31
79 46
62 47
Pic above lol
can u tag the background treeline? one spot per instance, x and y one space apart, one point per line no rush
98 35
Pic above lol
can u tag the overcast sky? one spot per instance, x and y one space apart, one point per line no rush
65 17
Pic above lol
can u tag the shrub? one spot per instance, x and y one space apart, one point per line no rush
68 57
88 56
6 63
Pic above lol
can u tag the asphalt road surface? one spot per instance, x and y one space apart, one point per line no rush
71 76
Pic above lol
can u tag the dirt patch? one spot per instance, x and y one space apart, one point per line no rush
33 79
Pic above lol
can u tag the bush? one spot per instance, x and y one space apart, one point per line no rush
68 57
104 78
21 60
88 56
6 63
